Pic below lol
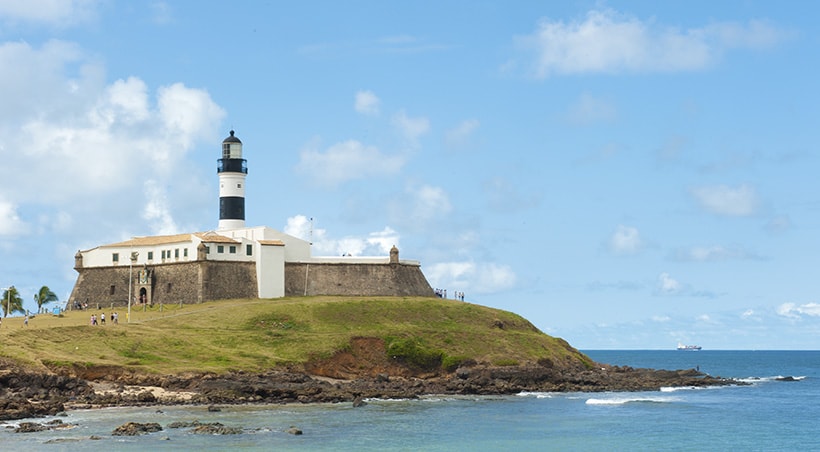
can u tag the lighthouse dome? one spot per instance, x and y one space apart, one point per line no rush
231 139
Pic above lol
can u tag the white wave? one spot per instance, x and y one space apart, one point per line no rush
754 380
686 388
635 399
537 395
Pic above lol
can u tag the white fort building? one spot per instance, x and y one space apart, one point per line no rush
233 261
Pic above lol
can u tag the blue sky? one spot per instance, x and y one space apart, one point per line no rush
623 174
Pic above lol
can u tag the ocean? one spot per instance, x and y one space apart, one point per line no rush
767 415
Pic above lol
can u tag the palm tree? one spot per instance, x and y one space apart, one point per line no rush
12 302
44 296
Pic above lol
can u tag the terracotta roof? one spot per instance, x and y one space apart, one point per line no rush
272 242
213 237
152 240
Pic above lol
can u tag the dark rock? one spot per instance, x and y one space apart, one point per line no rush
182 424
789 378
62 440
146 397
359 401
136 428
294 431
30 427
215 428
214 409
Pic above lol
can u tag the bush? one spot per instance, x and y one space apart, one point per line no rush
451 363
413 353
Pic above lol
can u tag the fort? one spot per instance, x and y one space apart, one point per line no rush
233 261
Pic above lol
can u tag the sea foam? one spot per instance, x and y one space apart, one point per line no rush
626 400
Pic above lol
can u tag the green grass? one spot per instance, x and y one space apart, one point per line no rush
256 335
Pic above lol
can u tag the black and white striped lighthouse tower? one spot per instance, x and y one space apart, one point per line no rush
232 170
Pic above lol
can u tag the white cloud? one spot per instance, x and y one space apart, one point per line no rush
157 209
346 161
661 318
779 224
714 253
723 200
373 244
794 311
609 42
625 240
470 277
56 77
384 240
460 134
367 103
705 318
420 205
187 113
411 128
588 109
51 12
126 101
10 222
302 227
87 147
117 138
750 314
668 285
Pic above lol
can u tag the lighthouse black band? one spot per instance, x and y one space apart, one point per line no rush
231 208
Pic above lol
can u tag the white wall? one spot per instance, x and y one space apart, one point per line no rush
270 271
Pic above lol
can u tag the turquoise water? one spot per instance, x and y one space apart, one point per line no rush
767 415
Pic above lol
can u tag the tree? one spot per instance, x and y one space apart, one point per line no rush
44 296
12 302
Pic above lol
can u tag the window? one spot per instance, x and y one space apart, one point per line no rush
226 150
207 249
185 252
232 249
115 257
249 250
150 255
220 248
176 253
163 254
169 287
238 185
112 289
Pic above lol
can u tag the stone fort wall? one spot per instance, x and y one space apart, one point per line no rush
174 283
195 282
355 279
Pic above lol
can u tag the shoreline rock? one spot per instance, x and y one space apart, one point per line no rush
28 394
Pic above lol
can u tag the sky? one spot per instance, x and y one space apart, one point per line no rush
624 174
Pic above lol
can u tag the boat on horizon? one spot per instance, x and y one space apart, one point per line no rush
691 348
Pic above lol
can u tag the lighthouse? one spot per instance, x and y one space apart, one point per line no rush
232 170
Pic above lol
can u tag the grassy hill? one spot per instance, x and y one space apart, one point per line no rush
255 335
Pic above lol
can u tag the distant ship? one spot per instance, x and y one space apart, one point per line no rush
690 348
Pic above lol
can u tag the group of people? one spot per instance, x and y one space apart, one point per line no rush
442 293
25 320
115 319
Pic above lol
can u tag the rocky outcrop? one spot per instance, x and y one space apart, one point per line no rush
136 428
25 394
